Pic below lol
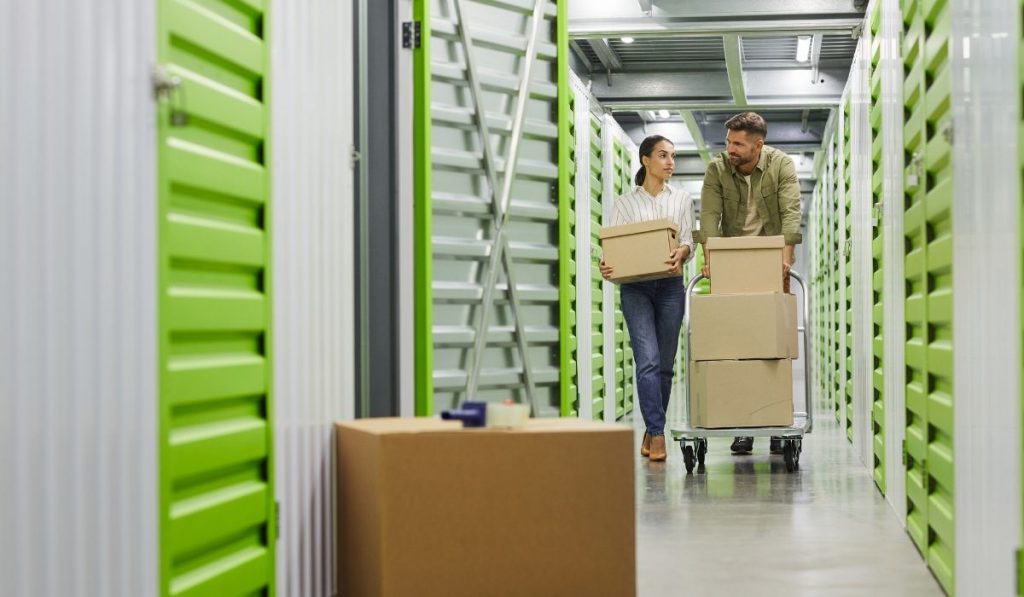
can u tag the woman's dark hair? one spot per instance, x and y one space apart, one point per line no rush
646 149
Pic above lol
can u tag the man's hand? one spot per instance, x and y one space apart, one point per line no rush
676 258
706 270
606 270
788 259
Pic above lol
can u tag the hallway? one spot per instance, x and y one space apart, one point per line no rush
835 534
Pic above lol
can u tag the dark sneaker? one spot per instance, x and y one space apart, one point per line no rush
775 447
742 445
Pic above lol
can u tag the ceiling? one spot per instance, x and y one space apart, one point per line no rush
692 64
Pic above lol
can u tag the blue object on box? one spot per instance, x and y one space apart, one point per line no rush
472 414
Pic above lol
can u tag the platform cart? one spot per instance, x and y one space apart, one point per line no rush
693 441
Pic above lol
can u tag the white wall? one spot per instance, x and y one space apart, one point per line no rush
313 277
78 420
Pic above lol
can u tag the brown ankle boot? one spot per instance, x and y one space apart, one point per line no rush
658 453
645 446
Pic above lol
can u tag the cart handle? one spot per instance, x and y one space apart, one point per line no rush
809 424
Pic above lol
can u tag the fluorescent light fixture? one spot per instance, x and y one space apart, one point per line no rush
803 48
627 40
663 114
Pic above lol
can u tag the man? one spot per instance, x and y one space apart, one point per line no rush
751 189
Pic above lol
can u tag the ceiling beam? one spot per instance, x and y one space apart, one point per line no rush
576 49
734 66
609 60
815 55
696 134
779 88
645 5
690 27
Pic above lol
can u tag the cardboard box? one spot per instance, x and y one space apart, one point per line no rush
638 252
746 264
428 508
743 326
741 393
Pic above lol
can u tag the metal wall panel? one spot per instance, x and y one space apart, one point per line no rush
987 278
216 346
894 285
78 395
457 227
859 340
877 271
314 279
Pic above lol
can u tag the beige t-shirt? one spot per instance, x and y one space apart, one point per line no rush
753 225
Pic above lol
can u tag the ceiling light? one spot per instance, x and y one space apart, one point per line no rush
803 48
663 114
627 40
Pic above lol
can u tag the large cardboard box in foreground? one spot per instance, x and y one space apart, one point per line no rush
741 393
639 251
428 508
743 326
746 264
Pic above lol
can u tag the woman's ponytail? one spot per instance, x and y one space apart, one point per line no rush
641 174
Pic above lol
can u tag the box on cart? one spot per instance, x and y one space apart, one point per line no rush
743 326
638 252
750 393
426 507
746 264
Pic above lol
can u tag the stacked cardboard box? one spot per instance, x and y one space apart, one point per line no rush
743 338
638 252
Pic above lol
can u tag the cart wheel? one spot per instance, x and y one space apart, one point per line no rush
790 455
702 450
688 459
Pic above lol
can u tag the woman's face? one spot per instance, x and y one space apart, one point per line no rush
662 161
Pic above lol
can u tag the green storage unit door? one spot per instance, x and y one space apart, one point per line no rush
621 183
570 403
928 263
216 468
597 284
455 207
846 296
877 245
836 286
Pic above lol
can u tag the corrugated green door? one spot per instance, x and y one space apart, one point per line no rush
596 211
836 286
877 246
846 292
928 263
216 495
621 183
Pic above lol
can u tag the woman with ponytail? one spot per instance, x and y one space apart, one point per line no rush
654 309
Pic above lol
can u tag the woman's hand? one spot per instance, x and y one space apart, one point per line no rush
606 270
676 259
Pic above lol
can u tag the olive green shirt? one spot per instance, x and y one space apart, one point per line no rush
723 200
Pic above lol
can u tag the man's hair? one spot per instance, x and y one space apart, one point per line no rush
751 122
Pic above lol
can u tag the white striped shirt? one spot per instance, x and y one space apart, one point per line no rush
639 206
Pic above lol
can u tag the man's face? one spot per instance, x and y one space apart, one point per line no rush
744 148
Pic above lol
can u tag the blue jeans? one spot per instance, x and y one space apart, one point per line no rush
654 311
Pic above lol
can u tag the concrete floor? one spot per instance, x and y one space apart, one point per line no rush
746 527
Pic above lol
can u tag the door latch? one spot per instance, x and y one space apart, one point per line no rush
168 87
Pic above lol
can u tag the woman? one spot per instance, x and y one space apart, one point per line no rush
654 309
